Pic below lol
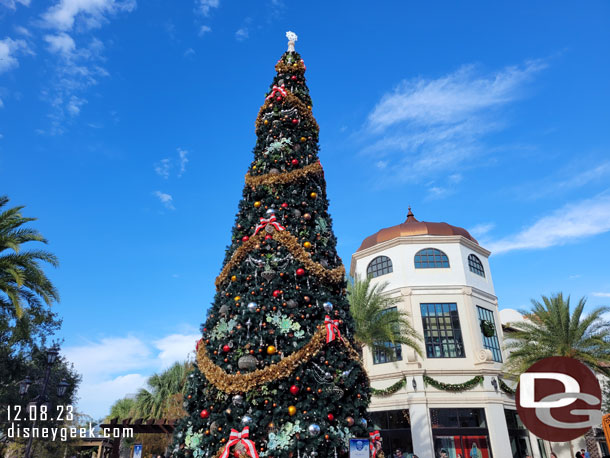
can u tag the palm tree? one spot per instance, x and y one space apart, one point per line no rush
377 321
22 280
553 329
164 388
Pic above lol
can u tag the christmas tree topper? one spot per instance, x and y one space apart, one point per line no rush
292 38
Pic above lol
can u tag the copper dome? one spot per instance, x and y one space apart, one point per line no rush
414 227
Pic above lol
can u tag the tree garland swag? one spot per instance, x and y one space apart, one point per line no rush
454 387
504 387
391 389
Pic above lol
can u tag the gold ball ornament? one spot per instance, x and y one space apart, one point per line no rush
292 410
257 204
307 245
303 139
236 298
313 195
271 350
234 278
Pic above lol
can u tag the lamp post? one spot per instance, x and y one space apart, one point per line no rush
24 385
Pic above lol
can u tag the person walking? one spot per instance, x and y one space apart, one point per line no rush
585 453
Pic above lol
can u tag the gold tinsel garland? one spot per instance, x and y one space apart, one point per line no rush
283 67
335 275
293 100
241 383
283 178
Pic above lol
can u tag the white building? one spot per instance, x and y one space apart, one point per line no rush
441 275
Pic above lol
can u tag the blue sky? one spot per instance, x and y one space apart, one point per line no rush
127 128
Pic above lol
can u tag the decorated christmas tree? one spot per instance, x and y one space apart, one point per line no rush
276 373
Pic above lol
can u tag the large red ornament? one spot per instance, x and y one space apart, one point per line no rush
276 293
268 236
245 238
226 348
295 161
330 417
295 121
284 205
204 414
300 272
294 390
293 77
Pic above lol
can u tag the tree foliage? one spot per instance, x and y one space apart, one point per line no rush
553 328
377 321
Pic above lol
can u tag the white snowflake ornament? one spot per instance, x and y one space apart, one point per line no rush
292 38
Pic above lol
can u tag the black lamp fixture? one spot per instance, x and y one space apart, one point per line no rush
414 383
62 387
52 354
494 383
24 385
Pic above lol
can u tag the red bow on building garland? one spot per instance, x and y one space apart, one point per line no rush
235 438
277 89
271 220
332 329
375 438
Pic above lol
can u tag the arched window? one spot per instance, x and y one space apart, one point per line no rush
476 265
381 265
431 258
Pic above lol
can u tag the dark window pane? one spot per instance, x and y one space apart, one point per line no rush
430 258
476 265
381 265
491 343
442 333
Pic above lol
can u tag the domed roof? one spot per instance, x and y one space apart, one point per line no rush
414 227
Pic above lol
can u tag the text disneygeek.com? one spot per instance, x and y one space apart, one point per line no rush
64 433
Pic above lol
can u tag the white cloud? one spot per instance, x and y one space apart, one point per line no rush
429 126
113 367
598 294
572 222
74 105
9 49
205 6
204 29
164 167
190 52
12 4
165 199
183 160
23 31
481 229
61 43
1 104
176 347
89 13
241 34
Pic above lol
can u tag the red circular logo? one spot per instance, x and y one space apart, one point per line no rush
559 399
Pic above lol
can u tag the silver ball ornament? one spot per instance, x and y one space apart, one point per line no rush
328 307
270 212
252 306
246 420
363 422
313 430
238 399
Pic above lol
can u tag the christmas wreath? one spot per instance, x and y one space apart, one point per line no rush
487 328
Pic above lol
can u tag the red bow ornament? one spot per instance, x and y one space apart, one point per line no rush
271 220
236 438
375 438
277 89
332 329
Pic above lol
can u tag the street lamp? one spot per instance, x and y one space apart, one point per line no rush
52 354
24 385
62 387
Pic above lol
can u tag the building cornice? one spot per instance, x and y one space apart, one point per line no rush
443 289
417 240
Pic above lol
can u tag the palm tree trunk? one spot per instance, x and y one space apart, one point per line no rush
592 447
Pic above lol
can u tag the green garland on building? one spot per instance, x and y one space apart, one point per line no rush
391 389
455 387
504 387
